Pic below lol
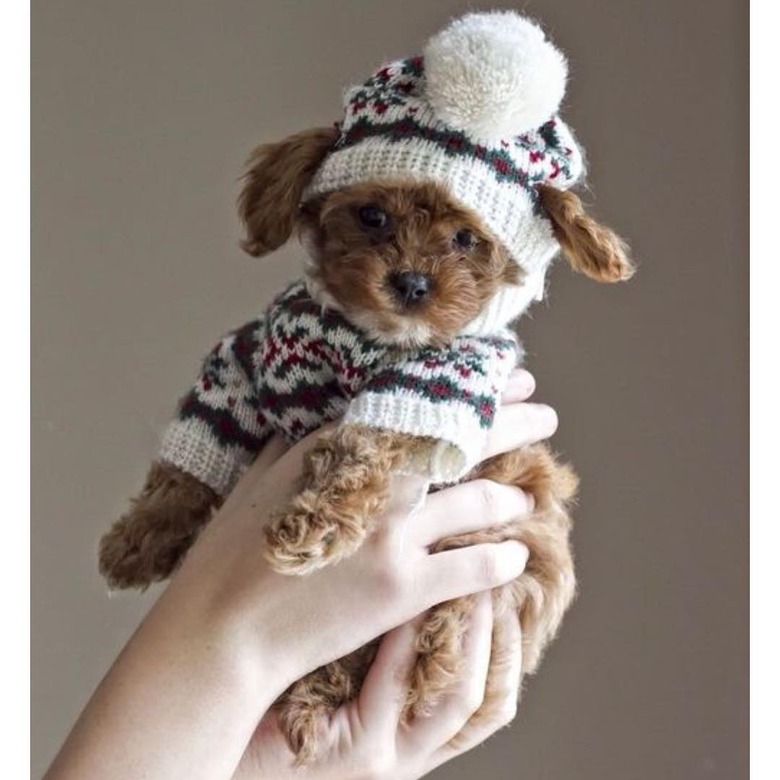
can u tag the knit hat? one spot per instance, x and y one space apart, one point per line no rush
477 114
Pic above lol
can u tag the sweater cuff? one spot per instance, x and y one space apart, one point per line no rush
191 446
459 437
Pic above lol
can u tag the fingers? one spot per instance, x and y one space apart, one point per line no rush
518 424
469 506
521 386
508 668
448 717
504 689
407 495
385 688
454 573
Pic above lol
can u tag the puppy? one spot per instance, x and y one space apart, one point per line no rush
412 273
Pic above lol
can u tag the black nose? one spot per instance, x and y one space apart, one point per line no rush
410 287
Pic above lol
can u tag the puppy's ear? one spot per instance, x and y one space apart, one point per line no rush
590 248
276 177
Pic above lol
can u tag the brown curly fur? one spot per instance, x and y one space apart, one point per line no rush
540 596
346 477
590 248
352 264
343 486
147 543
273 184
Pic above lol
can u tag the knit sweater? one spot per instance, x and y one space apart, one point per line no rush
302 365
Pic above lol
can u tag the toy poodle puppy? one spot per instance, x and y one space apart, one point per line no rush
429 216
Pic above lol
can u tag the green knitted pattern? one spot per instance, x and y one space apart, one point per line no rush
381 108
300 366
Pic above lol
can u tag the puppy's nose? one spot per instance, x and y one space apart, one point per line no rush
410 287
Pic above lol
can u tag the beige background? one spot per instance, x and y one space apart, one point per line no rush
143 113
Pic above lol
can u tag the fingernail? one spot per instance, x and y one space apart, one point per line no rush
549 418
524 500
521 383
555 421
530 502
521 553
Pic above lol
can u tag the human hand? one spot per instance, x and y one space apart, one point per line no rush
291 625
366 739
229 635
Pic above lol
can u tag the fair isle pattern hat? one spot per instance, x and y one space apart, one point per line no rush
477 113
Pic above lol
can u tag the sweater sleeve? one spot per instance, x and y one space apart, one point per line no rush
219 428
449 395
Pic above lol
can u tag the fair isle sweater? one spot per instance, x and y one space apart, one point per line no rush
302 365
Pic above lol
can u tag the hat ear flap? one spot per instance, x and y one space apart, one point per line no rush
590 248
277 175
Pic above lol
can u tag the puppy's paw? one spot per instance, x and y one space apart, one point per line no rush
544 591
536 470
147 543
312 532
344 487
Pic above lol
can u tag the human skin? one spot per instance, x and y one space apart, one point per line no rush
187 695
367 739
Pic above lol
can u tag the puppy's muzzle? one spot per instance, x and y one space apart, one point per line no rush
409 287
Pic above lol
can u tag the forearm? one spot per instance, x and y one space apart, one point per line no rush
229 635
182 700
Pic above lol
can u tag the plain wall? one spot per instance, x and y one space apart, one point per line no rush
143 113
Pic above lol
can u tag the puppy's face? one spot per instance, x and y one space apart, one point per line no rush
402 260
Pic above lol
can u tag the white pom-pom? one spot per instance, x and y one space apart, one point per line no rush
494 75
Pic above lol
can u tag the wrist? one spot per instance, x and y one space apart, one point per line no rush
229 623
217 646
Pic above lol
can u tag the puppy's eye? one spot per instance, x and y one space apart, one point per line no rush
372 216
465 239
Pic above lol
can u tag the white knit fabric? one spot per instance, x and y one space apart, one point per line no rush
459 436
509 302
506 209
300 366
482 123
190 444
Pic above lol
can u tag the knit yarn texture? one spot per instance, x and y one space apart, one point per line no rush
391 131
301 365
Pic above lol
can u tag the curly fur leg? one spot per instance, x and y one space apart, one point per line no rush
303 708
147 544
545 590
541 596
345 485
536 470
